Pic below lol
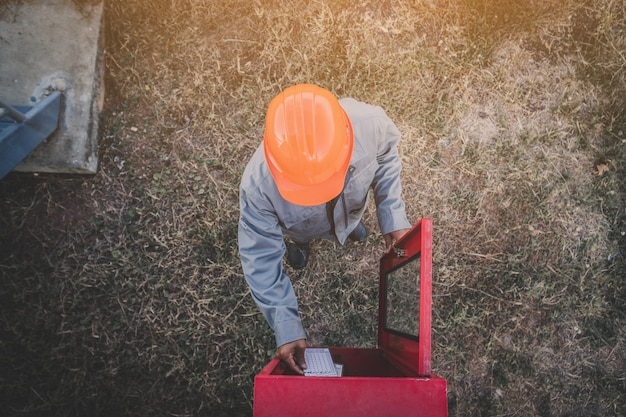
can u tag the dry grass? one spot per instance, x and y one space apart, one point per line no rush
122 293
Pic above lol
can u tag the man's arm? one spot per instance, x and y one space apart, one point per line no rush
261 249
390 208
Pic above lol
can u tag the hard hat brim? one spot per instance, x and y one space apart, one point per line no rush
312 194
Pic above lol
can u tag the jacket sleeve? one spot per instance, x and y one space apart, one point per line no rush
261 249
390 208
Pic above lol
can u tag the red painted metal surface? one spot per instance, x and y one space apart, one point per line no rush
349 396
389 381
413 353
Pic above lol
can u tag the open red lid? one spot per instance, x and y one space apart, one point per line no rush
405 299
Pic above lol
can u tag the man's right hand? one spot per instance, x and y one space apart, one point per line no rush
292 355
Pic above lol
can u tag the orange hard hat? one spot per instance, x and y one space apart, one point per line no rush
308 144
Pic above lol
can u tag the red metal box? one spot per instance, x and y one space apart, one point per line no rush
393 379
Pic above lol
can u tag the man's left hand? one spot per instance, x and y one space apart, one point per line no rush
391 238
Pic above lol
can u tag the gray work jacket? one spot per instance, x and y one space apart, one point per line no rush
265 217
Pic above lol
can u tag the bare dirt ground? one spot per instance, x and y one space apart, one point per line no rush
122 293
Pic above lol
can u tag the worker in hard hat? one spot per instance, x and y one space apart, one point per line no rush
310 179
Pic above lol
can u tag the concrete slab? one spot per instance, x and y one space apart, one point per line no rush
48 45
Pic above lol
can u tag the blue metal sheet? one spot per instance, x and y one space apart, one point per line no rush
19 139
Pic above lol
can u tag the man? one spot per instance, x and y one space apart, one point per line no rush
309 179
